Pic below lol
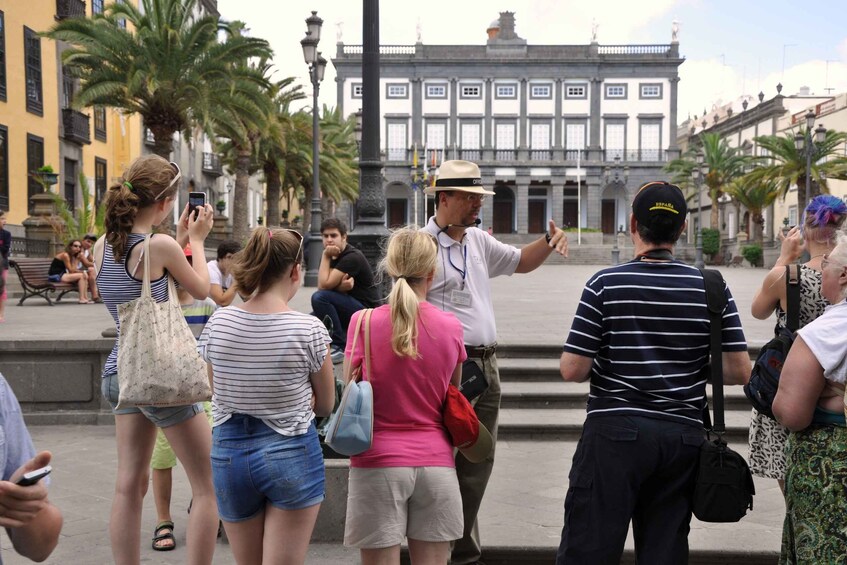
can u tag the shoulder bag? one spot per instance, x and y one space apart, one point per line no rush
158 362
724 488
350 430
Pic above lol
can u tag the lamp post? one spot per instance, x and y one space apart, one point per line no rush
697 175
613 177
317 66
805 143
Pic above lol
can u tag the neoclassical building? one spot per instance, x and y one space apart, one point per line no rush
566 132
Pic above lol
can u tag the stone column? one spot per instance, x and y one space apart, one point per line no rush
39 225
454 112
487 125
523 123
522 204
592 192
558 155
417 111
594 120
673 148
557 195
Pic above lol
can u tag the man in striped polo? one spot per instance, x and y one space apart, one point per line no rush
641 335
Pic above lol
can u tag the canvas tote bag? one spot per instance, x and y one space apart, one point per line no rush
350 430
158 362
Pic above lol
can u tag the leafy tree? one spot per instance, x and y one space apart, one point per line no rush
725 163
756 194
167 65
787 165
69 225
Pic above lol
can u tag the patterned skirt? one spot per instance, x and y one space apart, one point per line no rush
815 497
767 446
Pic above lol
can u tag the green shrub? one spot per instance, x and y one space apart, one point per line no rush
711 241
584 230
753 254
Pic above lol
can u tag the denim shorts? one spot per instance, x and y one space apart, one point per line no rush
162 416
253 465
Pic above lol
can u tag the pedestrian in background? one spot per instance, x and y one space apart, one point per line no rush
142 199
405 487
271 374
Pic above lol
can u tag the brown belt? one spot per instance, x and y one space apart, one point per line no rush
480 351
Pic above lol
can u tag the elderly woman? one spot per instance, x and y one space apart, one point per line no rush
810 403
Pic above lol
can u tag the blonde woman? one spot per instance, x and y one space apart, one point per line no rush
272 375
405 485
142 199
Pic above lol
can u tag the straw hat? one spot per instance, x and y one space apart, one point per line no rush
458 175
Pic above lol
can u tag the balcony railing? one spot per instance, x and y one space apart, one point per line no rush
574 154
633 49
470 154
540 155
212 164
633 155
405 156
70 9
505 154
76 126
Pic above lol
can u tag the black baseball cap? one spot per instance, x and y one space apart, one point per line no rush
661 206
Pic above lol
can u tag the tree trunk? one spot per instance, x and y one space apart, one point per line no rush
713 213
272 194
240 222
758 227
307 209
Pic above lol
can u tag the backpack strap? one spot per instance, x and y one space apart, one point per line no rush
716 303
792 297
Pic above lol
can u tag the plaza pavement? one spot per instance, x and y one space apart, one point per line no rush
524 504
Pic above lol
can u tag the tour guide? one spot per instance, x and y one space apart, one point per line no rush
467 258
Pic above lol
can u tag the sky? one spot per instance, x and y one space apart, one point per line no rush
731 48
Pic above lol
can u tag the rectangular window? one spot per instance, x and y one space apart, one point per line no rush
574 137
96 7
397 91
470 142
100 123
650 142
356 90
651 90
575 91
70 184
397 142
539 136
470 91
616 91
505 91
99 180
541 91
792 215
436 91
32 58
2 56
4 168
67 88
615 141
34 160
435 136
504 136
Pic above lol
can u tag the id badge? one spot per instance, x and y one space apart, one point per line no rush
460 297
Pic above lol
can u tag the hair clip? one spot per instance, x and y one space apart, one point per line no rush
129 186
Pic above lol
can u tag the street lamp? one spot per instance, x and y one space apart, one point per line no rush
317 66
697 175
805 143
613 177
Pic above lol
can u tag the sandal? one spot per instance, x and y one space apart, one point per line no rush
164 532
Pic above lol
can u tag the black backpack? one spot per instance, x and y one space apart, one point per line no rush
764 380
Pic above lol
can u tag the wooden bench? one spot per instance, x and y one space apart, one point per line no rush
33 276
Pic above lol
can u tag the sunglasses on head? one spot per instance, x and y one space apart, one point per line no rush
298 257
173 181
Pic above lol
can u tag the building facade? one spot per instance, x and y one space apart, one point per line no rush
566 132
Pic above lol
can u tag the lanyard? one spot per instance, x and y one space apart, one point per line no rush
463 272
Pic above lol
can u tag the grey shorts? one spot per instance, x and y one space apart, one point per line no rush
161 416
389 504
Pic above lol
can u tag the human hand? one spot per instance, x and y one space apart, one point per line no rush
792 246
182 227
558 239
199 227
20 504
332 251
347 283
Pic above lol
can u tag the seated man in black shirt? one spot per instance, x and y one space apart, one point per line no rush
345 284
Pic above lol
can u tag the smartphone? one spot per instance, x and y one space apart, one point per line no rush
196 199
34 476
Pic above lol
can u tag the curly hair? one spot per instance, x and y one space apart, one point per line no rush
269 255
825 215
146 180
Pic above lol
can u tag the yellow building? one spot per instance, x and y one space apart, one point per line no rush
38 126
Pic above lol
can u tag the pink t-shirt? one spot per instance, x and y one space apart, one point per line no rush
409 393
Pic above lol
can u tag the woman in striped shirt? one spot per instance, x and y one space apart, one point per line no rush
272 375
142 199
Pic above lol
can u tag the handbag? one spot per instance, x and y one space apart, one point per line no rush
158 362
724 487
350 430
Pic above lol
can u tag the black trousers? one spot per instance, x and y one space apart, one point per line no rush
630 469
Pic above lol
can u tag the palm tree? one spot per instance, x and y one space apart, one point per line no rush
168 70
788 164
755 194
339 173
725 164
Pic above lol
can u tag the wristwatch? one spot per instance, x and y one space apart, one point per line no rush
548 237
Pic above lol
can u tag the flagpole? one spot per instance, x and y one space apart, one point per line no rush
579 196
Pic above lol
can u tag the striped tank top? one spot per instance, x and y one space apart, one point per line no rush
117 286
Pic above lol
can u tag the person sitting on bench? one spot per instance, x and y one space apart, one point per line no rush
63 269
